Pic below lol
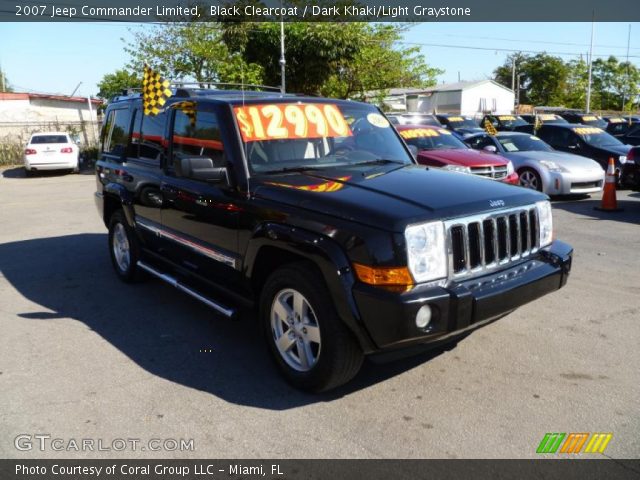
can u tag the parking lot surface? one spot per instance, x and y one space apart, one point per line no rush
84 356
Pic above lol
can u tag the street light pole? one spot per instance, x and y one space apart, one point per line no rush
588 109
282 59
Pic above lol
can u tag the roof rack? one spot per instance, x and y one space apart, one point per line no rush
209 85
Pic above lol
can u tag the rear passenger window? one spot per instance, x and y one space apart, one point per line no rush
115 134
152 144
196 134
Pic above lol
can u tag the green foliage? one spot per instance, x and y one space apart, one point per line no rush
113 84
11 153
342 60
4 82
549 80
190 51
378 65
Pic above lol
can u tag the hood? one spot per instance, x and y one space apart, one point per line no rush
390 200
613 149
465 157
568 160
469 130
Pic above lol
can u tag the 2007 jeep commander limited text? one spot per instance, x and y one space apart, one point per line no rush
314 211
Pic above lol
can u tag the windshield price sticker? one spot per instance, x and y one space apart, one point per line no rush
589 118
456 119
421 133
587 130
377 120
506 117
616 120
547 117
290 122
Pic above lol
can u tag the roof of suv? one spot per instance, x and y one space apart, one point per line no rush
233 96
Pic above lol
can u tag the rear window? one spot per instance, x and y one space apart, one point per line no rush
49 139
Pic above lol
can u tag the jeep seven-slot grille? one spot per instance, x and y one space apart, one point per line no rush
483 242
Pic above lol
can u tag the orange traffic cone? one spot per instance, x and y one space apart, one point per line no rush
609 200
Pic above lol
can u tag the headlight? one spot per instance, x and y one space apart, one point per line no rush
622 158
545 222
552 166
426 254
457 168
510 169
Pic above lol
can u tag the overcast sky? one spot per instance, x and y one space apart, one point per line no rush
55 57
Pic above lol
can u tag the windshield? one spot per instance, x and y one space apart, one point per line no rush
432 139
461 122
523 143
597 137
593 121
288 136
551 118
511 121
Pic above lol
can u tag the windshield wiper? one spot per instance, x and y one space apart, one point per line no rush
380 161
293 169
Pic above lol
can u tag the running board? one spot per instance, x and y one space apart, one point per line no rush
227 312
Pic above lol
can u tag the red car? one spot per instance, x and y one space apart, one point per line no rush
438 147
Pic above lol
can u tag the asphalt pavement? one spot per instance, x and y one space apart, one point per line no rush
84 356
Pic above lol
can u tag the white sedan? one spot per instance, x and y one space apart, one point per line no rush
51 151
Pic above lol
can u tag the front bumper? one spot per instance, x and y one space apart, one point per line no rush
513 179
631 175
567 183
390 316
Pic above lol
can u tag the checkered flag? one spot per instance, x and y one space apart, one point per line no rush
155 91
489 128
189 109
537 123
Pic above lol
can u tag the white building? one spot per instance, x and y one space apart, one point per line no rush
22 114
464 98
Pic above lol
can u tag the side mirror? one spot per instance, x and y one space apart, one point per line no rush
201 168
490 149
414 150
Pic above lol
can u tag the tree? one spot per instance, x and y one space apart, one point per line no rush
577 81
615 81
4 83
543 80
190 51
113 84
379 65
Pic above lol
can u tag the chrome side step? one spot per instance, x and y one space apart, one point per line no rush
226 311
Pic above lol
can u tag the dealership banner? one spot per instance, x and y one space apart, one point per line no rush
320 10
159 469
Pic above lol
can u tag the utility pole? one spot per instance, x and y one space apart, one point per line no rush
627 86
282 59
593 19
513 74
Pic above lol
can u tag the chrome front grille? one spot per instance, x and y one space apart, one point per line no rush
495 172
482 243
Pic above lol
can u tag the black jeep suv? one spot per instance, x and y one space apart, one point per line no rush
314 212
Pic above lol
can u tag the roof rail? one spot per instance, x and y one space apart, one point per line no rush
209 85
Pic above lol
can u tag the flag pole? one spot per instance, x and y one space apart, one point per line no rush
282 59
588 109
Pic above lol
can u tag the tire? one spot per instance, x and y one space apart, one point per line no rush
319 352
529 178
124 249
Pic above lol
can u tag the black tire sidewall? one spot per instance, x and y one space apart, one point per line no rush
131 274
335 337
537 175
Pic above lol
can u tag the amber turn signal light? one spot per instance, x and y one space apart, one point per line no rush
383 275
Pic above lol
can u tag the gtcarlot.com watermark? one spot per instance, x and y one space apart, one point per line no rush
44 442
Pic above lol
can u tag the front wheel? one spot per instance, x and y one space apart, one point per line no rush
310 344
529 178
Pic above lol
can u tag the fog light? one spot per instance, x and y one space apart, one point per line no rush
423 317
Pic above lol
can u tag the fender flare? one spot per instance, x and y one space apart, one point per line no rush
115 190
329 258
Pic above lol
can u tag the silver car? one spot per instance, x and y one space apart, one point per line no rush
540 166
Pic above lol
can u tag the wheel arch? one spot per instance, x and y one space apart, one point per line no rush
274 245
118 197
